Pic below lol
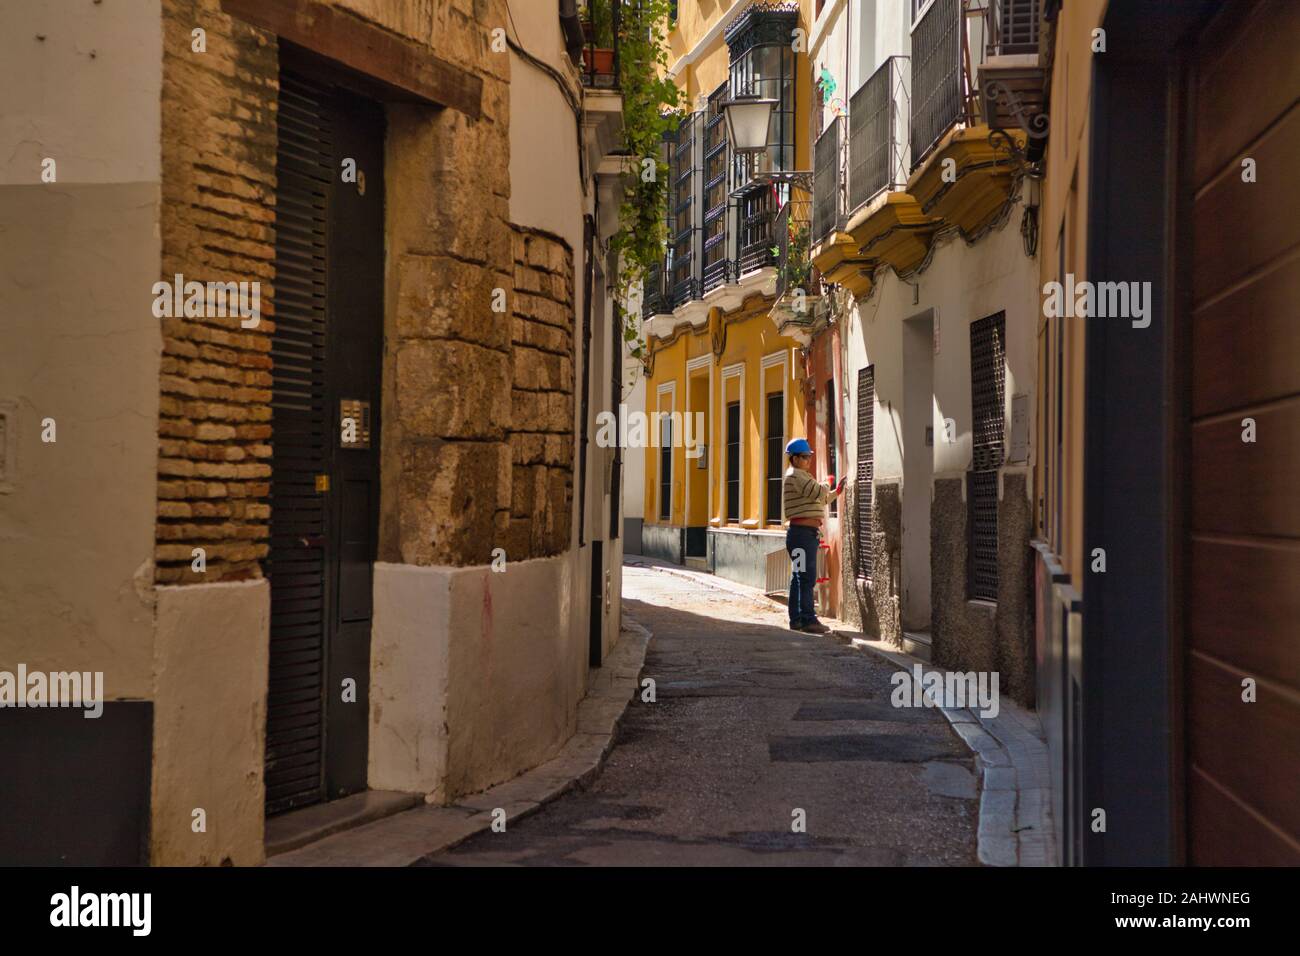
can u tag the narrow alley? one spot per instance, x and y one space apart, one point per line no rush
751 722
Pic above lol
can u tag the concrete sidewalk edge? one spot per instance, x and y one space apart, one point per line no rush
406 837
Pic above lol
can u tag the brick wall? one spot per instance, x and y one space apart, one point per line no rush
217 224
477 441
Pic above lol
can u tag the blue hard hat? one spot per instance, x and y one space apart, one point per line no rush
798 446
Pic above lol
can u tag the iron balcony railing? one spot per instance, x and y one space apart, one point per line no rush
756 247
879 116
1013 26
600 48
937 94
653 300
828 205
715 267
794 268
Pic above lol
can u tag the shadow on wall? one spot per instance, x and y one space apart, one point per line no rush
982 635
873 606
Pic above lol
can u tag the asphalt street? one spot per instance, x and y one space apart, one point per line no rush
754 729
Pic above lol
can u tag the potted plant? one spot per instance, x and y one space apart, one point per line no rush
598 31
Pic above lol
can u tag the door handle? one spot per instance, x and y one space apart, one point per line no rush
312 541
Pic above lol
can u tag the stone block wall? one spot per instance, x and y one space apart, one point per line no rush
542 395
218 225
477 442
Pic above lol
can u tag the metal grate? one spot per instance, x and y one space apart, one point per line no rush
988 390
866 470
936 75
716 269
684 163
757 230
828 180
1015 26
877 133
296 564
794 268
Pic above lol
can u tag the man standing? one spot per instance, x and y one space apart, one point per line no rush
805 501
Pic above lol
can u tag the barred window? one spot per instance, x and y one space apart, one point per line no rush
733 462
775 453
988 392
866 470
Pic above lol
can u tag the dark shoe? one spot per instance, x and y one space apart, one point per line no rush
815 627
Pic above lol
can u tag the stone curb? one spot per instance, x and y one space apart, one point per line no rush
1015 826
404 838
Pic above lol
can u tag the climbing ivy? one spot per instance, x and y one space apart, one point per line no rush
650 106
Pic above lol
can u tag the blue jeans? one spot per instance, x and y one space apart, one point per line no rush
802 538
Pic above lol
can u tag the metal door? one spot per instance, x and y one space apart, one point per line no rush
327 349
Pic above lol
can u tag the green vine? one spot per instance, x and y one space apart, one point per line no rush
650 104
600 14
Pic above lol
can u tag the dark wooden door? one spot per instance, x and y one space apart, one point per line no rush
1243 543
327 350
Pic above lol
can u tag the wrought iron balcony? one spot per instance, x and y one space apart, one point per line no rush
1011 79
937 79
828 181
757 240
879 114
1013 27
600 47
794 223
653 300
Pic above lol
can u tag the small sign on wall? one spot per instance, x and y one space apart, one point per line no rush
1019 427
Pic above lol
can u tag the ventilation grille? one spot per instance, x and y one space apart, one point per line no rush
866 470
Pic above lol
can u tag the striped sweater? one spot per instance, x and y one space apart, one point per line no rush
803 495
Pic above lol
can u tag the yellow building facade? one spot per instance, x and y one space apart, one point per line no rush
718 369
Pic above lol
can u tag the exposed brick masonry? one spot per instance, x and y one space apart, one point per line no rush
217 224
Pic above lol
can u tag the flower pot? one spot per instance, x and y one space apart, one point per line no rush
597 61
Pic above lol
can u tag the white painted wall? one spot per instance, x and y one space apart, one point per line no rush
634 458
963 283
545 184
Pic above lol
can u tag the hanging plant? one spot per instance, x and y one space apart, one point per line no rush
650 105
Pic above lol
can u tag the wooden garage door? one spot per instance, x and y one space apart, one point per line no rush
1243 581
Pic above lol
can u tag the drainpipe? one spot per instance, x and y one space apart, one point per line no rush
572 28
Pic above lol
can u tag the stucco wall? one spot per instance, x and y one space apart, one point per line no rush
475 674
742 555
81 345
210 659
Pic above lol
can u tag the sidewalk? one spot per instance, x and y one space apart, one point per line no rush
404 838
1015 822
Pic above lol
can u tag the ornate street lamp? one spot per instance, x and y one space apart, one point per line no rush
749 118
